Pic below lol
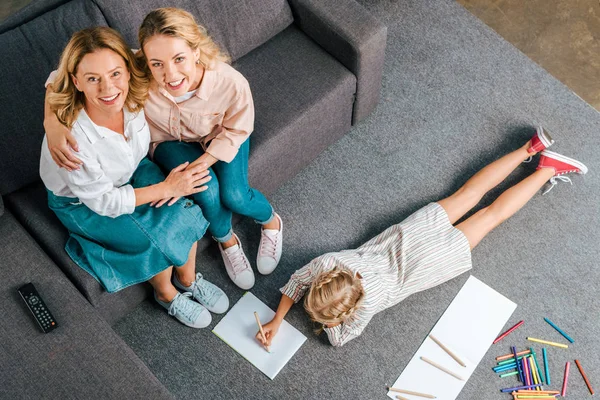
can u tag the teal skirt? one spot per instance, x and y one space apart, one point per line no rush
132 248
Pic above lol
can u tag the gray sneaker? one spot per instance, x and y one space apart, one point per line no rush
205 293
187 311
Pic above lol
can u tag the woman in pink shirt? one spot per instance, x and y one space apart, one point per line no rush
199 110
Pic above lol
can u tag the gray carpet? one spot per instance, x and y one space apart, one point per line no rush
455 97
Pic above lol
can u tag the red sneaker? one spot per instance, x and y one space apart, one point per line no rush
562 165
540 141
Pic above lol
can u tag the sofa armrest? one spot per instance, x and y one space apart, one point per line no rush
354 37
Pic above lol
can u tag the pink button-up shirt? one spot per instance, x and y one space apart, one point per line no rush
220 115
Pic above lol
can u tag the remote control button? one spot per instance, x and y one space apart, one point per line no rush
33 300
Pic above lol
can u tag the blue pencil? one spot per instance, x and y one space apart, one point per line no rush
521 376
546 366
559 330
513 389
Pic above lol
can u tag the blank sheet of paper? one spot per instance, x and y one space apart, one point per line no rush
238 329
467 328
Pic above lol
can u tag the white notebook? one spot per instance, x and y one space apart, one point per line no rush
238 329
467 328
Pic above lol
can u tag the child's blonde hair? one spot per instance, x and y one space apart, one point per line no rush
333 297
65 100
179 23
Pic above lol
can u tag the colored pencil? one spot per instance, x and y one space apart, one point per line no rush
534 374
563 392
546 365
508 332
538 392
511 355
537 366
521 377
427 396
506 390
528 380
262 333
447 350
510 360
559 330
585 378
509 374
564 346
535 397
438 366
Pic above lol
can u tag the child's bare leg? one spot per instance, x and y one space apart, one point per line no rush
506 205
467 197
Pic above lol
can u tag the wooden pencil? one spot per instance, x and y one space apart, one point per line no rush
438 366
427 396
447 350
262 333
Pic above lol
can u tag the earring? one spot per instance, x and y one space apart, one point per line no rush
198 61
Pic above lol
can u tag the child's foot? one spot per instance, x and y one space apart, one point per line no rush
186 310
237 265
269 250
562 165
540 141
205 293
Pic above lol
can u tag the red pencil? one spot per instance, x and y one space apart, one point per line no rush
585 378
563 392
505 334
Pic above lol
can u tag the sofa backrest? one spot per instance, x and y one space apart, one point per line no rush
238 26
29 52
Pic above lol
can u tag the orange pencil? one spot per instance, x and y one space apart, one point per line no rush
585 378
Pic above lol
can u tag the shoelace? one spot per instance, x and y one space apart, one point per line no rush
186 308
268 246
204 289
238 261
553 182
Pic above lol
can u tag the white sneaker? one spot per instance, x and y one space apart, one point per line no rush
269 250
237 265
206 293
187 311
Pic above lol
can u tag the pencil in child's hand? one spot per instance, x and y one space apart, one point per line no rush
262 333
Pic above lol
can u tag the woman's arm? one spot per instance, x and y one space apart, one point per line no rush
341 334
60 139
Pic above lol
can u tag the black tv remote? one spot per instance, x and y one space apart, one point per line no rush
37 307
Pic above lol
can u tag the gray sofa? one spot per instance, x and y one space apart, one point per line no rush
314 68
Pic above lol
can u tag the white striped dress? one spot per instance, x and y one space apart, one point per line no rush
420 252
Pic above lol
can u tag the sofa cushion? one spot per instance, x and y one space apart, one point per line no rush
238 26
296 87
1 206
29 53
82 358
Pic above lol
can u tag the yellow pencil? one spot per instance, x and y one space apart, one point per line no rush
446 370
427 396
447 350
262 333
563 346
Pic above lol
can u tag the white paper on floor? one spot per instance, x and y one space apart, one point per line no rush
238 329
467 328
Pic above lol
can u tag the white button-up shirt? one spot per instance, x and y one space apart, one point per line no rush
109 161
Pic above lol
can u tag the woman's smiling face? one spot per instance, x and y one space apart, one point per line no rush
173 64
103 78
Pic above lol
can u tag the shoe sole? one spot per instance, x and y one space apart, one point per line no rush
544 137
566 159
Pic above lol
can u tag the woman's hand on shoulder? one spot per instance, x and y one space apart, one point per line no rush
61 144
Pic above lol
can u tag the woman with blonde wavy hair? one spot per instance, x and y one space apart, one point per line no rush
344 290
98 92
200 110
